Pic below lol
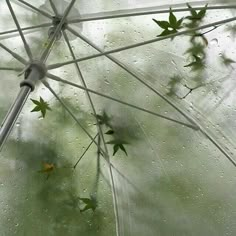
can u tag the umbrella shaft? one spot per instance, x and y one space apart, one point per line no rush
33 74
13 114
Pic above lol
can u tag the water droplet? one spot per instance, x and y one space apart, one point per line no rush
214 41
173 62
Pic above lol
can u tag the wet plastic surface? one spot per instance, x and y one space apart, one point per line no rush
175 180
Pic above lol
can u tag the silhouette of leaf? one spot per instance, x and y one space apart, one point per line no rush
196 49
104 119
110 132
174 81
198 64
118 144
232 29
90 203
226 60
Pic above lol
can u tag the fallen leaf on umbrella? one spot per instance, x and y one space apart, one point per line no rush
48 168
41 106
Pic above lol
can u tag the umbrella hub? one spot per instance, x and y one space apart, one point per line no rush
55 22
34 72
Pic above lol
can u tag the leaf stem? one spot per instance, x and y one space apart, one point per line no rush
201 34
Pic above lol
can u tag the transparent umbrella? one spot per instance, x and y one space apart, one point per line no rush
118 117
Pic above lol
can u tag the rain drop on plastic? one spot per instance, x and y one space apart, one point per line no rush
214 42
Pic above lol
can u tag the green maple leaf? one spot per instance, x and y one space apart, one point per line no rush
118 144
198 64
167 32
90 203
170 27
41 106
162 24
196 16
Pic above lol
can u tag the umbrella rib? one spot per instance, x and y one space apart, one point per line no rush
100 133
124 177
26 28
106 152
142 12
53 7
128 182
116 61
83 81
112 182
80 75
219 147
85 151
57 65
27 48
148 141
36 9
11 68
15 55
46 52
226 95
98 169
68 110
193 127
56 78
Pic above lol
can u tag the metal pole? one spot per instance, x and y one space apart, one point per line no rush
35 74
13 114
35 71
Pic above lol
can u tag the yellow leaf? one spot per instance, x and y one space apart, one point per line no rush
47 167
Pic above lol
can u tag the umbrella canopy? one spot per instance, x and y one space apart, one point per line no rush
122 120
